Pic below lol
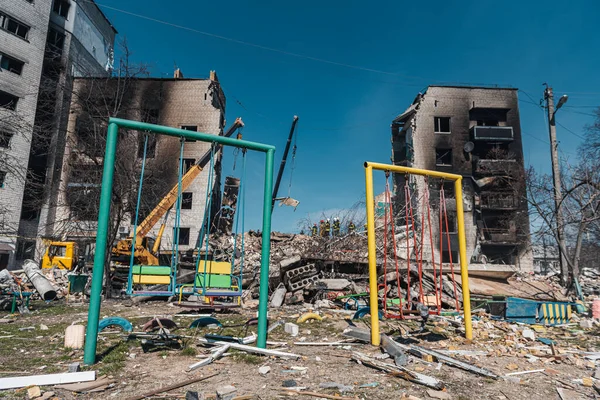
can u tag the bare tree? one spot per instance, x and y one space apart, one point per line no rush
580 206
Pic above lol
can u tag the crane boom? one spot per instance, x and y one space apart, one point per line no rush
283 161
169 200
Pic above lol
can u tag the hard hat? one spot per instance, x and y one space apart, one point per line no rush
327 219
322 221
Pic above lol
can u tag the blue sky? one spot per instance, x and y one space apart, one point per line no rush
348 68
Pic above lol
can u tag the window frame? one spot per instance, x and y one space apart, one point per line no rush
5 137
12 107
448 150
186 203
179 236
186 128
5 19
61 3
13 59
438 130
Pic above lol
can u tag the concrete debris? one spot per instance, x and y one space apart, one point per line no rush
334 385
439 394
278 296
265 369
226 392
290 328
34 392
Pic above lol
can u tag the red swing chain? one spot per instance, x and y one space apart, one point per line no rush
443 204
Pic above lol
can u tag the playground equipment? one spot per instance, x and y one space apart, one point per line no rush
104 214
416 243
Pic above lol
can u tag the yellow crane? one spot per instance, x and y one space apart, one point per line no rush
146 250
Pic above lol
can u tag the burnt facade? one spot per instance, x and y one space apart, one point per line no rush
474 132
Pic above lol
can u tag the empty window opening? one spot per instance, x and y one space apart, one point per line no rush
13 26
150 148
11 64
184 236
487 122
186 200
61 7
2 178
8 101
442 124
150 115
5 139
187 164
193 128
25 249
443 157
451 216
448 189
56 42
447 254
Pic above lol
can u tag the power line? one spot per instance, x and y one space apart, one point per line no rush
256 45
570 131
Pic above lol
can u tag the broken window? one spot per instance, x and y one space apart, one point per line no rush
5 137
90 135
8 101
451 216
84 201
442 124
448 187
443 157
151 148
184 236
193 128
449 256
2 178
13 26
187 164
56 41
25 249
186 200
11 64
61 7
150 115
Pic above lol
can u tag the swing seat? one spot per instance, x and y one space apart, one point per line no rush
217 281
151 275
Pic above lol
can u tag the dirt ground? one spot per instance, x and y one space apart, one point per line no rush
33 344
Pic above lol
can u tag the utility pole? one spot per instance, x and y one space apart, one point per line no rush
560 235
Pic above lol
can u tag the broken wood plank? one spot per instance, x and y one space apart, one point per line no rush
399 371
86 386
49 379
450 361
215 356
525 372
172 387
250 349
317 394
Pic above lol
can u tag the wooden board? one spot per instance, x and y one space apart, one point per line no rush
151 270
151 279
50 379
215 267
214 281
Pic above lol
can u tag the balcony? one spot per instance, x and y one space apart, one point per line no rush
499 236
493 133
496 167
498 201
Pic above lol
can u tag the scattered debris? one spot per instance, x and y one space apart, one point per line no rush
34 392
438 394
214 356
290 328
226 392
265 369
172 387
309 316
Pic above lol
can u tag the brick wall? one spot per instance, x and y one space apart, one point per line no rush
25 86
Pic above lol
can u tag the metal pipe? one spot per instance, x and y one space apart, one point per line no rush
464 267
89 355
204 137
39 281
373 294
283 161
263 297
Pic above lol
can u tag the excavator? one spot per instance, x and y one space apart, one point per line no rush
147 249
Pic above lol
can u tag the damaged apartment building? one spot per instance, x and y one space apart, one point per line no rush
474 132
191 104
